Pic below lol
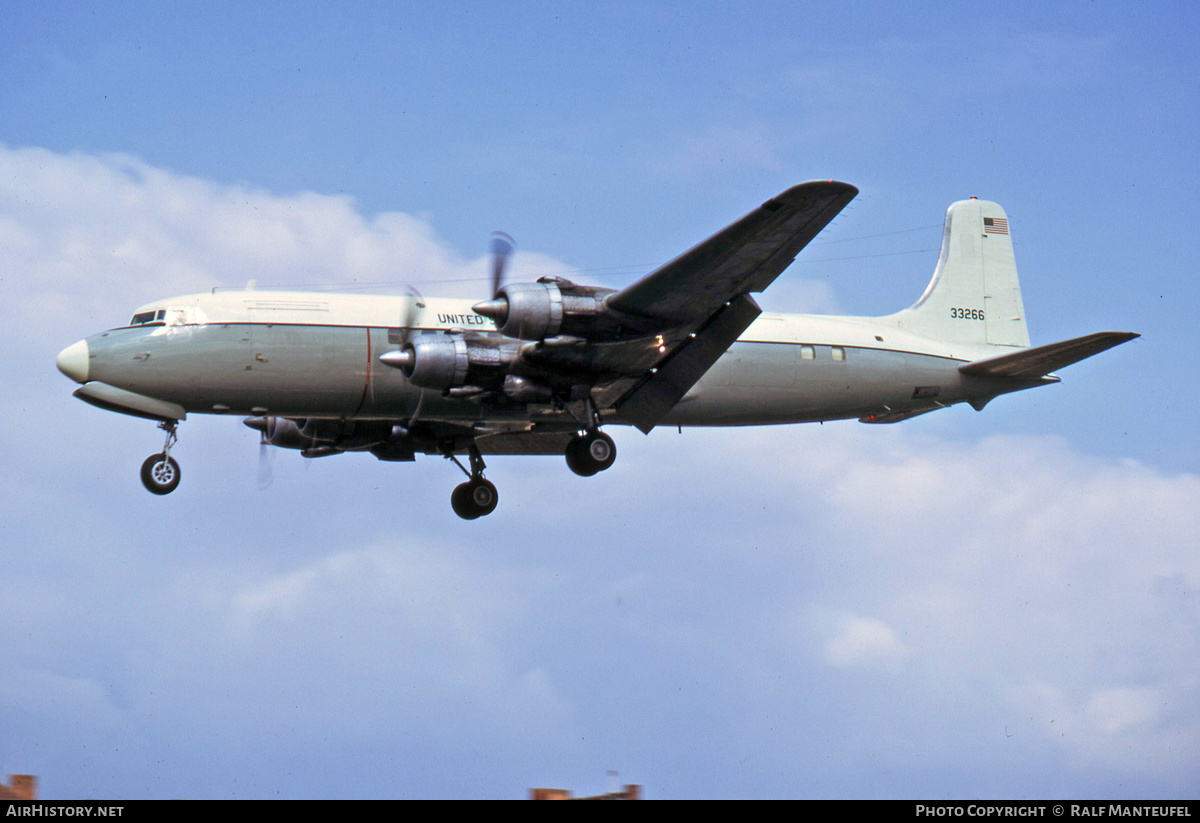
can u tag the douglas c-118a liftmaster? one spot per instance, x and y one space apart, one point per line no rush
541 367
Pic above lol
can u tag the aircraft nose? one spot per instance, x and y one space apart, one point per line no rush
73 361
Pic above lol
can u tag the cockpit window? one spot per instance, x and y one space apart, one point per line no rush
148 317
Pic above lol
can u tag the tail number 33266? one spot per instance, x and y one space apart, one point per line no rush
966 314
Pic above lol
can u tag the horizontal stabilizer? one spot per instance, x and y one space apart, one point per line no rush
1029 364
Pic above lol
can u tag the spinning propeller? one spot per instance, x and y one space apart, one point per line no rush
266 471
402 358
497 307
439 361
502 247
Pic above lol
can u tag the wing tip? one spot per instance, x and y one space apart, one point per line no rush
830 188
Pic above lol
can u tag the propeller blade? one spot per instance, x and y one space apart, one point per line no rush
412 308
266 472
502 247
401 358
412 421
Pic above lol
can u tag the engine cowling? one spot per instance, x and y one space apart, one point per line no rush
281 432
318 433
548 308
437 362
449 362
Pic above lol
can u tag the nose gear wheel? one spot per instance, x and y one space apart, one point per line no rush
160 472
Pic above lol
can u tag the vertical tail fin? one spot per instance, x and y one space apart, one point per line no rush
974 296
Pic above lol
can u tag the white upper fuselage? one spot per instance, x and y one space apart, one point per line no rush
447 314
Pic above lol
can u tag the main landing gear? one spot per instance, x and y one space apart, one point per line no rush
591 451
477 497
160 472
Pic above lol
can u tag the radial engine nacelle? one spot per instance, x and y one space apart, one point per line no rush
459 364
317 433
279 431
548 308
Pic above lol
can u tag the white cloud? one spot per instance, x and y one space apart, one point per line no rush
87 238
864 641
979 576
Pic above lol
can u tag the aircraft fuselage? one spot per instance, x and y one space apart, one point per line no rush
211 354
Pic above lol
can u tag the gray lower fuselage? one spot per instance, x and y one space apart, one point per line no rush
326 371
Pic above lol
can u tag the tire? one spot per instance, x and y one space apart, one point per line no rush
460 501
591 454
576 461
474 499
160 474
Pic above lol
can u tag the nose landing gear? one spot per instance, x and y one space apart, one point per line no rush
160 472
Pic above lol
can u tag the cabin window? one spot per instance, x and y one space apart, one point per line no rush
807 353
839 353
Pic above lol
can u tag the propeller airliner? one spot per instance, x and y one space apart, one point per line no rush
540 368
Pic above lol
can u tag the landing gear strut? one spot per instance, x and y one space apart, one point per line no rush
160 472
477 497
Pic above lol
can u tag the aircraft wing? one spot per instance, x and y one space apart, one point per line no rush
744 257
1039 361
695 307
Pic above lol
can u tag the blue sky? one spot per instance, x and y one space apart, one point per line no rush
1003 604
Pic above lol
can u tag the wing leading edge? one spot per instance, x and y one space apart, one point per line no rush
744 257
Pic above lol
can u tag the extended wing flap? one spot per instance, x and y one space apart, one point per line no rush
746 256
1039 361
650 400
